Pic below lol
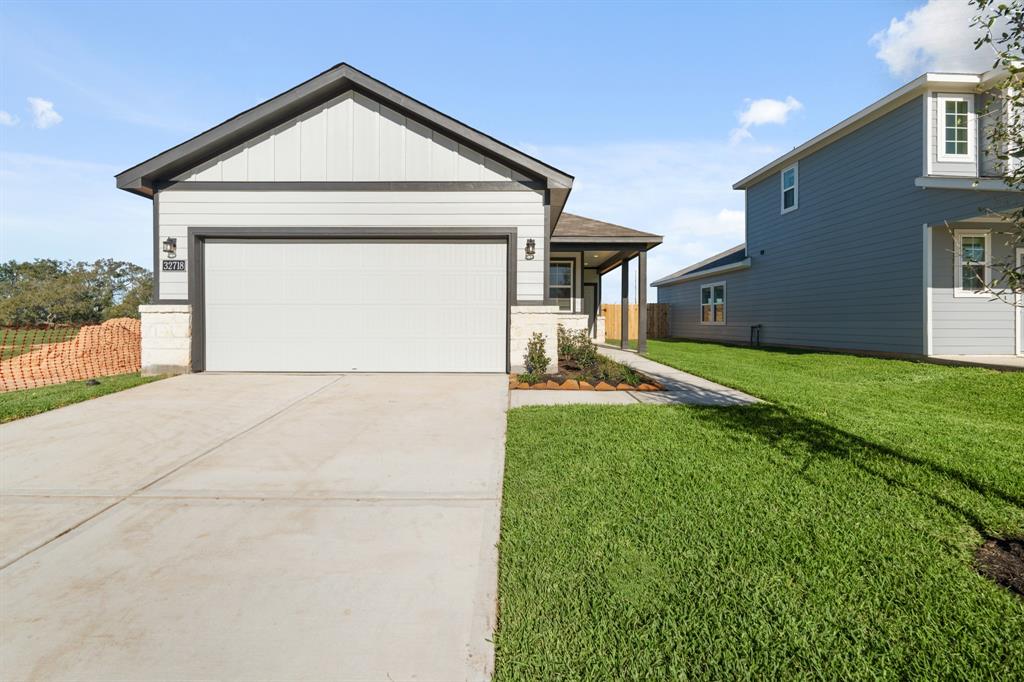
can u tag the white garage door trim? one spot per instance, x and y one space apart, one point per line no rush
197 266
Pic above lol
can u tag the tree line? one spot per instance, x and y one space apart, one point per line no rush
46 291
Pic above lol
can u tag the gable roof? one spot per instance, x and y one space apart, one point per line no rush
731 259
576 228
895 99
141 178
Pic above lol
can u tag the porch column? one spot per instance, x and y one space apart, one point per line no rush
624 341
641 300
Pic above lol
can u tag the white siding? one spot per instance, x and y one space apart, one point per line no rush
522 210
351 137
966 325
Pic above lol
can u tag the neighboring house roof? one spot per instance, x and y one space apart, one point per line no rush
572 228
338 79
732 259
895 99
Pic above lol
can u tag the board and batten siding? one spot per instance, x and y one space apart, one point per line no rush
351 138
523 210
845 270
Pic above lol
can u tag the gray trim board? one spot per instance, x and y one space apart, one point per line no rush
545 295
354 186
155 294
622 239
301 98
197 237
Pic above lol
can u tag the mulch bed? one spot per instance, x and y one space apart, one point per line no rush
572 379
1002 561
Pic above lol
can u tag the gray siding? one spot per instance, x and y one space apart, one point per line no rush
844 270
967 325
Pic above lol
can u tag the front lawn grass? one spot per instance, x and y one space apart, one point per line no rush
25 403
828 534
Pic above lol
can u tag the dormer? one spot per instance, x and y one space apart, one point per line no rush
959 114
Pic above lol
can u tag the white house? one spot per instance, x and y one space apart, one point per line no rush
344 226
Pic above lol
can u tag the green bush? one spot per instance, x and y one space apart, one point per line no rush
566 342
536 359
584 352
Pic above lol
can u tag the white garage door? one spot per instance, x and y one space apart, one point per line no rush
343 306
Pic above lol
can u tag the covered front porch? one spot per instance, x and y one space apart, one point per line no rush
582 251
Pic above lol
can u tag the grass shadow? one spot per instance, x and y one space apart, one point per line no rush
793 432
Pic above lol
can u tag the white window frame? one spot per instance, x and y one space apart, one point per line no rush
940 128
958 263
572 282
700 303
796 188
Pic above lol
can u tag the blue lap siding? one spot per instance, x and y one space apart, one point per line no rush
845 269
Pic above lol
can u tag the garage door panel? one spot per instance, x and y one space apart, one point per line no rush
355 306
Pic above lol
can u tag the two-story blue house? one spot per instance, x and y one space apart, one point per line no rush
870 237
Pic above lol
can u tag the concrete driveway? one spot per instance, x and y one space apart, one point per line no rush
247 526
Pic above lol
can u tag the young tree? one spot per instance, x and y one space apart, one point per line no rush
1001 26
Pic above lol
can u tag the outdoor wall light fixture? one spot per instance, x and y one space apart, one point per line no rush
531 249
171 247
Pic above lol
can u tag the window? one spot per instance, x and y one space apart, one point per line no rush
560 283
712 303
972 262
954 125
789 189
955 134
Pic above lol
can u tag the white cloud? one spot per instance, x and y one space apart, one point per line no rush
7 118
763 111
43 114
679 189
936 36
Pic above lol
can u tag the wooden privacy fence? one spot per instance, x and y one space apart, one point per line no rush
657 320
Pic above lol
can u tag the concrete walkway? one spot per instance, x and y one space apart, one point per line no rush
240 527
681 388
1008 363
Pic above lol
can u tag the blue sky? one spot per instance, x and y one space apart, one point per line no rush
643 103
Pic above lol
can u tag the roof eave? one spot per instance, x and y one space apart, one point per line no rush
710 272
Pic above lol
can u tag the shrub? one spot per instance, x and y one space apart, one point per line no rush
531 377
536 359
583 351
566 341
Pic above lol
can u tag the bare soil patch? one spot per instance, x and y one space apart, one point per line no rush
1002 561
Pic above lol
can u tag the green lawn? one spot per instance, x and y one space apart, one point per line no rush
828 534
14 341
19 404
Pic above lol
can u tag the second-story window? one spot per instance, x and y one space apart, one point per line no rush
956 127
790 178
955 135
